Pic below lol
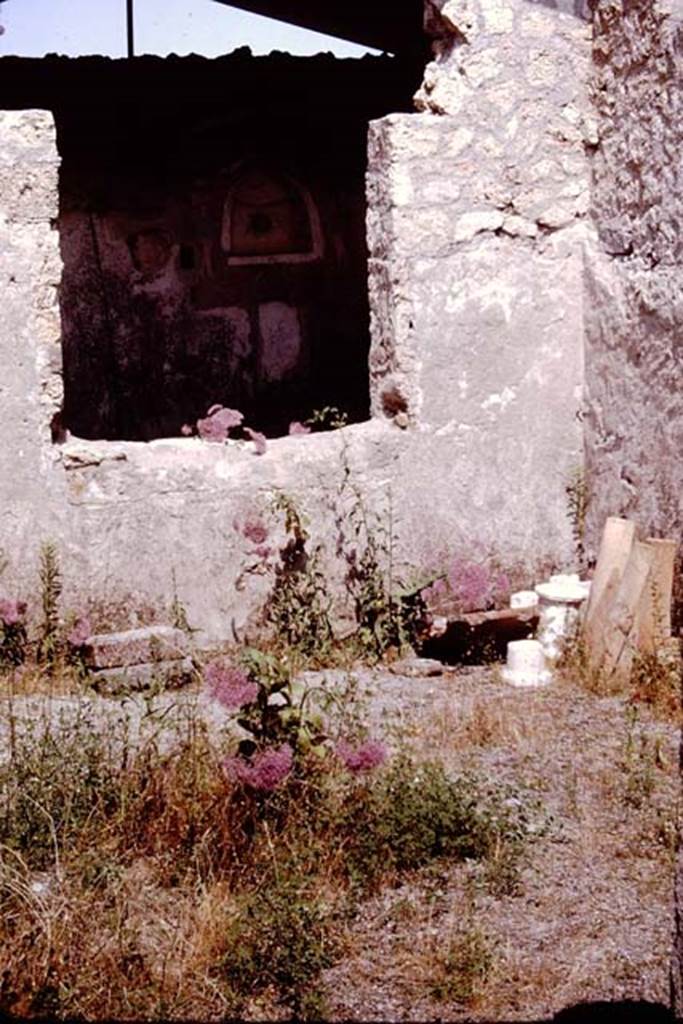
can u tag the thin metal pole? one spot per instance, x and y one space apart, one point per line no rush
129 28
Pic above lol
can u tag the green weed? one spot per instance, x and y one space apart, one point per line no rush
297 610
462 966
640 761
281 937
50 643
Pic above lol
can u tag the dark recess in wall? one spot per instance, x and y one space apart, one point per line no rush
160 320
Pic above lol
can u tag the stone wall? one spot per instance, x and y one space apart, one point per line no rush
31 491
486 279
634 362
477 228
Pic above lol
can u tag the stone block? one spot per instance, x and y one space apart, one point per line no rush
166 675
136 647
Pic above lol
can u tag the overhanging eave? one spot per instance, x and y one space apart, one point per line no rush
359 21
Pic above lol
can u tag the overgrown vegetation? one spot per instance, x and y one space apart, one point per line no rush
259 849
55 646
462 966
656 680
156 866
298 609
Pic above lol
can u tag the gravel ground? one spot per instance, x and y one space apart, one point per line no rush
592 917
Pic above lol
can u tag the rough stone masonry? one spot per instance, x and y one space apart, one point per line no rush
523 227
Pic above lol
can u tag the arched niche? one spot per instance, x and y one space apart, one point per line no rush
269 218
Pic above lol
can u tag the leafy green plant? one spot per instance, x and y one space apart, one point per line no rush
329 417
387 615
413 813
282 937
297 609
283 711
50 645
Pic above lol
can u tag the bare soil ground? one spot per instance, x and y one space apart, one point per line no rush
592 916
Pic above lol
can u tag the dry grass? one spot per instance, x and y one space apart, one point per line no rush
593 916
32 680
138 881
176 901
481 720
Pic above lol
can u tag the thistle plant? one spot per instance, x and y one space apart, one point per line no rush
49 645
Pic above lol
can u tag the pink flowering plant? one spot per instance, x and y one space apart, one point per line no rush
76 646
469 584
218 425
359 758
296 610
278 728
285 725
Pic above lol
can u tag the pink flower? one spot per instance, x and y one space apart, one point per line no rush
259 440
80 633
255 530
470 584
11 612
186 430
229 686
297 429
264 771
363 757
218 423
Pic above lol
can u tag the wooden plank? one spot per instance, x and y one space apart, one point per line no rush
595 627
620 639
615 547
654 614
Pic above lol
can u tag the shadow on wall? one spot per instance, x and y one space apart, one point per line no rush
239 280
212 229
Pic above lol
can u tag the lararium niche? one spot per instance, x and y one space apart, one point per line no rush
269 219
212 229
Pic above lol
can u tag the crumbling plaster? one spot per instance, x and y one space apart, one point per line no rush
479 235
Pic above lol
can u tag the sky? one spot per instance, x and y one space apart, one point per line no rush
33 28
